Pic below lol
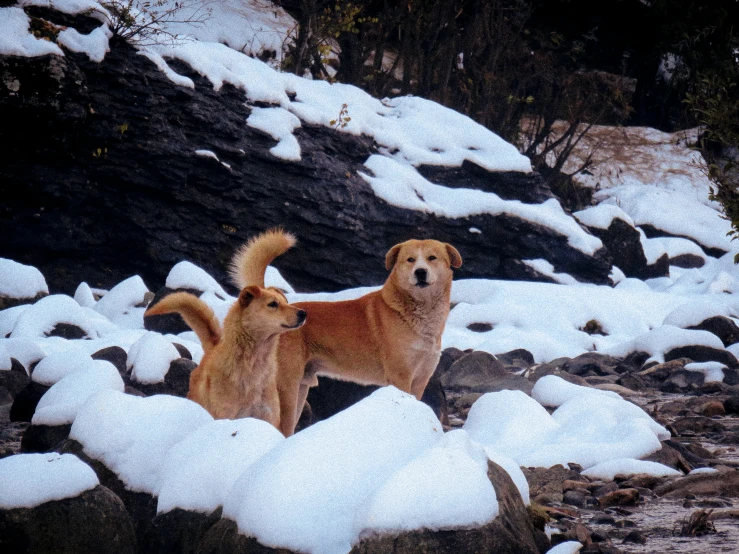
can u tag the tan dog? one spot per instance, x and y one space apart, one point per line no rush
391 336
237 376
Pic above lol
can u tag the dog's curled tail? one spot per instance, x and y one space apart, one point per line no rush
251 260
196 313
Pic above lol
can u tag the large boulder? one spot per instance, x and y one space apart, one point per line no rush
141 506
510 533
66 152
95 521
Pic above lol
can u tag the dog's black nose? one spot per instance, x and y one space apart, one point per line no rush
420 274
301 316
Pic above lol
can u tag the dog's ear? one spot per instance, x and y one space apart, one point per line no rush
392 256
455 259
249 294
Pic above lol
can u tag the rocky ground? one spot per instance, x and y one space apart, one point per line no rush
627 514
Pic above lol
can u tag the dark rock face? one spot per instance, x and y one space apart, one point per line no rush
332 396
167 323
653 232
178 532
722 327
624 246
24 405
176 381
9 302
12 381
94 521
115 355
74 187
67 331
699 353
140 506
44 438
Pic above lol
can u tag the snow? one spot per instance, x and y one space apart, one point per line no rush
253 27
567 547
60 364
713 371
61 403
664 338
149 358
9 317
6 364
41 318
445 487
295 496
675 246
132 435
402 185
653 249
94 44
625 466
546 268
29 480
692 314
207 154
16 40
24 350
200 470
186 275
18 280
679 213
589 426
279 124
84 297
602 215
91 7
699 470
124 303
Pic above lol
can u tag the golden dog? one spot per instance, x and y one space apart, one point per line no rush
388 337
237 376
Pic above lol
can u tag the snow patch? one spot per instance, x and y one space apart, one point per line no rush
149 358
18 280
132 435
29 480
60 404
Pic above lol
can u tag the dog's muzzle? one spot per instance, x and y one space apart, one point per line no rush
421 276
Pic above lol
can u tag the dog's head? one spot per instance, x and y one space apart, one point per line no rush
265 311
422 265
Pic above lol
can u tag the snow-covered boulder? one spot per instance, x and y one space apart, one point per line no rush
54 503
20 284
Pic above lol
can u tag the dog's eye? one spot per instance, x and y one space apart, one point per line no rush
411 260
273 304
432 258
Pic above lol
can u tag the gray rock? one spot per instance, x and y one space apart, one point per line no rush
481 372
594 363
